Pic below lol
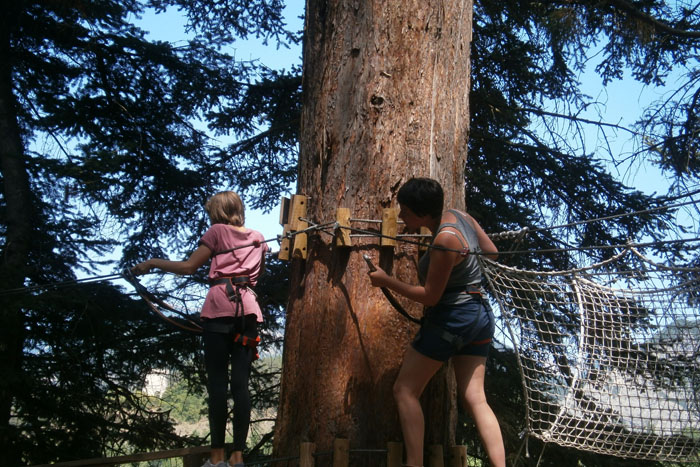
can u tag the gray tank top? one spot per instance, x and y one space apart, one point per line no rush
464 273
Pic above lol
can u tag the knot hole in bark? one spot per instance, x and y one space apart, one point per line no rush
377 101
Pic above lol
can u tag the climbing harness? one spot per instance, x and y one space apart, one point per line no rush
195 324
234 284
236 334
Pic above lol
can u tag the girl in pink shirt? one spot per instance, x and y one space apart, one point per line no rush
230 316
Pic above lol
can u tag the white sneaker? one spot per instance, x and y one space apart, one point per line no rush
220 464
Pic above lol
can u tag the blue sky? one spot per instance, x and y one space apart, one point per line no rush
170 26
620 103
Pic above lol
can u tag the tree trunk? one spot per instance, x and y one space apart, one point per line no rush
385 98
17 223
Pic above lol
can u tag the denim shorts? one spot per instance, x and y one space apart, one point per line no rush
463 329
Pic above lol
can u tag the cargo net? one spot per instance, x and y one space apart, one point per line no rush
610 361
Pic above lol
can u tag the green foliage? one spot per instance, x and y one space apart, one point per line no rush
142 132
524 167
82 380
128 161
527 168
184 404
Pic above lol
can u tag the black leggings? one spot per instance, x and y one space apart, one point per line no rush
219 350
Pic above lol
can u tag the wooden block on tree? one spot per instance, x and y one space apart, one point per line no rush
284 210
394 454
341 452
284 253
458 457
306 454
435 456
389 226
285 245
298 210
342 235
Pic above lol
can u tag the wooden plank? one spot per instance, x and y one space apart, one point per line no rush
458 456
341 452
285 245
306 454
298 211
195 460
132 458
342 236
394 454
284 210
390 218
435 456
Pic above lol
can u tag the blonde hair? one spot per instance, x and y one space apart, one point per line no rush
226 207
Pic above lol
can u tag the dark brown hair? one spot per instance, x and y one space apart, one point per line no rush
423 196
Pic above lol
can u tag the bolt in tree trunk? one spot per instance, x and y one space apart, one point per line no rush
385 91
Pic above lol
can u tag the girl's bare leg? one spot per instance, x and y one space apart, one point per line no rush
217 455
236 458
416 370
469 372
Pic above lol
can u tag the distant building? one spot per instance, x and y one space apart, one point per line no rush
156 383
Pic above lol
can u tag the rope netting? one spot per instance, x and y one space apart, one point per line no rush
609 355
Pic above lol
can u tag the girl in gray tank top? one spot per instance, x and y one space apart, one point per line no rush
458 326
465 275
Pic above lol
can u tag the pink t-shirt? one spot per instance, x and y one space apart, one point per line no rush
246 261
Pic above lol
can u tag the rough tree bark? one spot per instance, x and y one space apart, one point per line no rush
385 98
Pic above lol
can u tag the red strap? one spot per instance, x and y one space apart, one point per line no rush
485 341
248 342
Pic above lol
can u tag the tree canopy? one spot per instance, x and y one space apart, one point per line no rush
133 125
111 141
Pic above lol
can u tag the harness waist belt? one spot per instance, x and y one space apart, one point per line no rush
233 284
233 290
237 280
470 289
455 340
230 330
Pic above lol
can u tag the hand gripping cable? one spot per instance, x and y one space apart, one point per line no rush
389 296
